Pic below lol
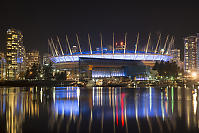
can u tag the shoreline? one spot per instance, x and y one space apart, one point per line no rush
53 83
32 83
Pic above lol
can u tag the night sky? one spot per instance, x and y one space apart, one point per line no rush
40 21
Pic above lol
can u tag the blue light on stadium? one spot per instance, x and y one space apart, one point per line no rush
130 55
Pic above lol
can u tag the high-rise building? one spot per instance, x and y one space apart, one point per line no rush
15 54
175 53
32 57
191 54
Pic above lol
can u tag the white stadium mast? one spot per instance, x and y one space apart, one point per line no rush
145 56
125 42
159 38
68 45
101 43
148 43
113 44
49 43
54 47
60 45
89 41
170 45
136 46
165 44
78 43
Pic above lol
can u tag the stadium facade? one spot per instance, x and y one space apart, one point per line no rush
87 66
104 63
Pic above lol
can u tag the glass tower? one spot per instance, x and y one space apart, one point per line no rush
15 54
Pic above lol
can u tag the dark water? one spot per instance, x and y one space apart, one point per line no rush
80 110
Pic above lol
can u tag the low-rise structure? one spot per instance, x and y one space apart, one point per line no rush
32 57
46 59
175 53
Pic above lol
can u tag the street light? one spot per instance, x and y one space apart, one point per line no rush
194 75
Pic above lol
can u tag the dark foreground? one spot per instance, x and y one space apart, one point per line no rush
80 110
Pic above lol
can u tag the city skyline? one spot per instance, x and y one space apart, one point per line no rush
99 66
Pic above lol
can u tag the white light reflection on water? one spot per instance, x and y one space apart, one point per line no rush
99 109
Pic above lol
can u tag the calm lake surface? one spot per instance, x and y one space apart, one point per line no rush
97 109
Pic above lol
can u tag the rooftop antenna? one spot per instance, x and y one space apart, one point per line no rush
113 45
78 43
165 43
68 44
101 43
136 46
60 45
158 43
148 43
56 52
125 43
89 41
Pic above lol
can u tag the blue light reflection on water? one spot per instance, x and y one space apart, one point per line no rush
147 104
118 106
67 100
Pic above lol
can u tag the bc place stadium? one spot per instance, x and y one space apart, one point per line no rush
105 63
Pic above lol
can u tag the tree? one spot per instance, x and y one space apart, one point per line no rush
167 69
60 76
34 72
27 74
48 71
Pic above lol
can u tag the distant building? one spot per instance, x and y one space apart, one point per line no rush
32 57
119 46
15 54
46 59
175 53
2 66
104 49
74 49
191 53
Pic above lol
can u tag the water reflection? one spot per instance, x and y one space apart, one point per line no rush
74 109
16 105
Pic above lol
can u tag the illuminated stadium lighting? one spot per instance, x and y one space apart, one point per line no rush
117 53
130 55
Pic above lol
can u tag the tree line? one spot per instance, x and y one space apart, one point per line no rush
37 72
167 69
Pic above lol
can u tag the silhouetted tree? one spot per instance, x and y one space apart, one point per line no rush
60 76
34 72
27 74
48 72
167 69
